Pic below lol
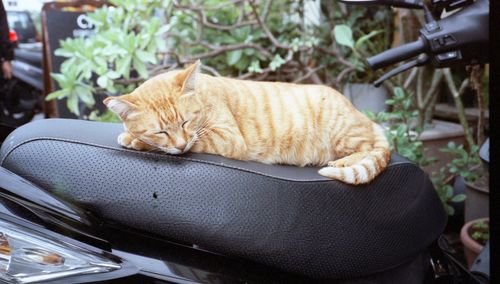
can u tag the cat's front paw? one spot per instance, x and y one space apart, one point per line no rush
128 141
125 139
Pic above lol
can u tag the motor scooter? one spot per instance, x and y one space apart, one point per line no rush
21 96
75 207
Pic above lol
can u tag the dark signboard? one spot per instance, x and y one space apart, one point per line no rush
61 21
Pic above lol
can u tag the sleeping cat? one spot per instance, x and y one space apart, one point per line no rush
268 122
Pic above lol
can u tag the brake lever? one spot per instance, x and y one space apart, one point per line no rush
424 59
408 4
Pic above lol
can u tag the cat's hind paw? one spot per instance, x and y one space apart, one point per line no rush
348 161
341 163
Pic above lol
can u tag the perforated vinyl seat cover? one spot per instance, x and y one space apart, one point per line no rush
287 217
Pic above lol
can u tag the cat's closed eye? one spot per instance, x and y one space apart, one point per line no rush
162 132
184 123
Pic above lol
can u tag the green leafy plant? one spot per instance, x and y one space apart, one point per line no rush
480 231
343 36
401 130
464 162
265 40
445 191
127 41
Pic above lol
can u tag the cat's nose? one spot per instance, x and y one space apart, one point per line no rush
181 145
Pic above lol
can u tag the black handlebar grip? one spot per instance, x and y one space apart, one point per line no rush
397 54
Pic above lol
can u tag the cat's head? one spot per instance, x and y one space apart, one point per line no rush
164 111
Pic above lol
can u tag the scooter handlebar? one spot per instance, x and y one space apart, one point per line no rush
397 54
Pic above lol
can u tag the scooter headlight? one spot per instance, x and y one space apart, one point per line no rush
27 256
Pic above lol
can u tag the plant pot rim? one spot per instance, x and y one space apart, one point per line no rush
485 189
469 242
442 130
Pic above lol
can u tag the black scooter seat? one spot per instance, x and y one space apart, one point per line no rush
283 216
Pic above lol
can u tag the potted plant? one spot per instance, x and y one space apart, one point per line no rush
358 46
452 200
472 177
403 134
474 235
359 89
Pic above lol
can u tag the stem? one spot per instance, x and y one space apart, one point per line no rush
436 79
430 98
476 75
410 78
430 110
395 143
459 105
420 101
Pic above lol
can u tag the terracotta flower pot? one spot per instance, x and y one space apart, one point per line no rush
471 247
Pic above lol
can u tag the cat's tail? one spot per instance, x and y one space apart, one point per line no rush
361 167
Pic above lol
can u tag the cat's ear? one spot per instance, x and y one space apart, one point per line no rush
121 105
187 78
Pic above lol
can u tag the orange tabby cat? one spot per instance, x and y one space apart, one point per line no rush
268 122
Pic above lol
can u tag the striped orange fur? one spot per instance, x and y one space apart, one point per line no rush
268 122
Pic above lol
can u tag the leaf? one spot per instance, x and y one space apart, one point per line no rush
108 116
364 38
113 75
163 29
233 56
451 145
100 61
102 81
450 210
63 52
449 192
145 56
140 67
401 131
276 62
72 104
390 101
458 198
123 66
161 44
86 70
85 95
60 78
343 35
255 67
57 95
249 51
111 87
243 63
399 93
369 114
67 64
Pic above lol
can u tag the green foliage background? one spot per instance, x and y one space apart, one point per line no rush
268 40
